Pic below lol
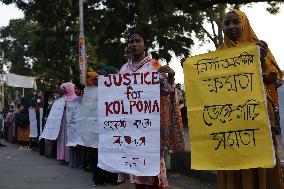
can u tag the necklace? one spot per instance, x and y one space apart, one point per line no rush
140 64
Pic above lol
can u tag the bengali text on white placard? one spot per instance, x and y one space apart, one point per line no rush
53 123
129 121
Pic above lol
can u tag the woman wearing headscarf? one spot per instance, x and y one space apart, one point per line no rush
10 122
62 149
172 137
75 152
238 32
22 124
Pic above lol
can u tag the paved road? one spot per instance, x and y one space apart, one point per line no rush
28 170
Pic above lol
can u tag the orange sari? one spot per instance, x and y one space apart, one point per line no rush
255 178
23 134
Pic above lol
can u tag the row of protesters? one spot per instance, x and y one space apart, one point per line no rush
17 126
237 32
83 154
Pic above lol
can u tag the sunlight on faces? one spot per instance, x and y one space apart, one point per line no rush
136 44
232 26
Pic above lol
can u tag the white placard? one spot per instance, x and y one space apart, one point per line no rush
53 123
33 122
129 121
88 120
41 117
72 117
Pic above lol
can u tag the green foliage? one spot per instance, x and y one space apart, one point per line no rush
273 7
165 26
41 44
44 39
16 42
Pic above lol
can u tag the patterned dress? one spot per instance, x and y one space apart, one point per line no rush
62 149
171 125
10 122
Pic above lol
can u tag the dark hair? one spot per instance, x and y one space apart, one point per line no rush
155 55
80 86
108 70
127 49
33 102
132 32
25 102
138 33
12 107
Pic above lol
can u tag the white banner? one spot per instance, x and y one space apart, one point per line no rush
33 122
14 80
129 120
53 123
88 120
72 116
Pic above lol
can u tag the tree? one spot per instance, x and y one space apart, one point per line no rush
52 50
54 44
166 28
215 16
198 4
17 43
167 24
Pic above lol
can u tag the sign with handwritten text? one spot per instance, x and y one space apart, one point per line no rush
228 120
72 117
53 123
88 127
129 121
33 122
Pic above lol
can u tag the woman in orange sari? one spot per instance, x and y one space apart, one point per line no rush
23 125
238 32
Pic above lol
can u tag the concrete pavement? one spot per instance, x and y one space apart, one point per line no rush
28 170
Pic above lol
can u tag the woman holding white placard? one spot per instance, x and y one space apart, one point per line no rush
172 137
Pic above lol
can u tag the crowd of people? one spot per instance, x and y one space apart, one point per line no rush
237 32
16 129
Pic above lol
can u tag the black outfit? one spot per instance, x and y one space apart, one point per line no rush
101 176
47 95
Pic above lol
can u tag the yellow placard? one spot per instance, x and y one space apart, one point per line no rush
227 110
